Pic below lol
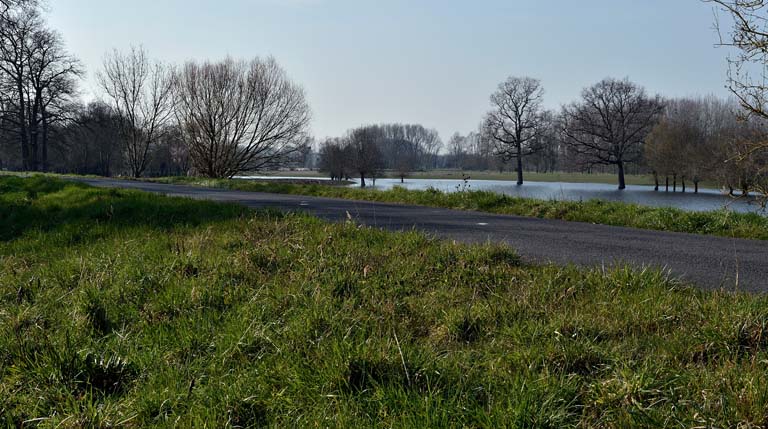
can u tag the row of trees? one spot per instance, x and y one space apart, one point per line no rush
615 124
607 126
748 68
703 139
220 118
230 116
208 118
365 151
38 82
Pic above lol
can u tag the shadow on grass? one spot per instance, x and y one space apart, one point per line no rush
51 205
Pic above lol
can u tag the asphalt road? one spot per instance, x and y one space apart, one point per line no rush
705 261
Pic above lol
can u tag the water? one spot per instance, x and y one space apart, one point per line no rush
705 200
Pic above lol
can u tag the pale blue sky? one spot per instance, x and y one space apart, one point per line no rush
418 61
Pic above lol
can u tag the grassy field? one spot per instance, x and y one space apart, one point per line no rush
536 177
722 222
631 179
119 308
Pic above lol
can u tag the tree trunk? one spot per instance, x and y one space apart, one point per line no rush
695 186
656 181
683 178
25 158
666 183
402 179
519 165
674 182
622 183
34 134
106 168
138 156
362 180
44 117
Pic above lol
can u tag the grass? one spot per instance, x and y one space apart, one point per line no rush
723 222
607 178
557 176
120 308
529 176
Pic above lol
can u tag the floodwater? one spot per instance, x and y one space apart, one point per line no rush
705 200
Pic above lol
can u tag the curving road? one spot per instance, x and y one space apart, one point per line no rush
708 262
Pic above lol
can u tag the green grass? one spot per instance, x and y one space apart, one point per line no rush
723 222
606 178
631 179
120 308
529 176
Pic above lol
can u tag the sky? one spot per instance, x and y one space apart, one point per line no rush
415 61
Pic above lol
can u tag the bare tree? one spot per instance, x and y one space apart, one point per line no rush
748 77
367 150
91 143
18 23
406 157
363 149
666 150
457 150
39 79
549 153
140 92
750 39
426 140
515 121
692 141
6 6
406 148
334 159
610 123
169 155
53 75
239 115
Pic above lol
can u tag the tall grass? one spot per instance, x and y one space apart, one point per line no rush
119 308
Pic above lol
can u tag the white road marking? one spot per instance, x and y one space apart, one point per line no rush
482 224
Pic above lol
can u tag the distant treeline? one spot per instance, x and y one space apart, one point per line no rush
218 119
615 126
205 118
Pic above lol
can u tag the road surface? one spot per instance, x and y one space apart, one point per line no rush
706 261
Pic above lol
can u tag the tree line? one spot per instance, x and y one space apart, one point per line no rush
205 118
364 152
614 126
38 82
221 118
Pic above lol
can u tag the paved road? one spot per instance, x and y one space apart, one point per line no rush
709 262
